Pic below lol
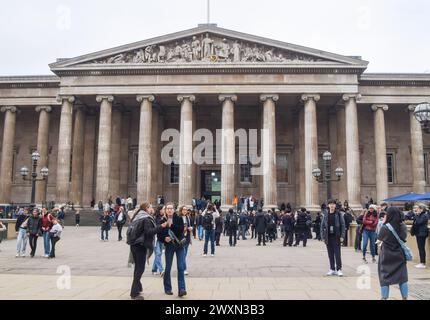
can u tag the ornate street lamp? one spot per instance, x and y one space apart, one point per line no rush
422 114
326 178
44 172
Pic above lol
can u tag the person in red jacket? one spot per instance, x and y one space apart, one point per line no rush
370 222
47 223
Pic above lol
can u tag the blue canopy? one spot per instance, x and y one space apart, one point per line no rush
410 197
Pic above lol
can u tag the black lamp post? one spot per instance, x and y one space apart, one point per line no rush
326 178
422 114
33 178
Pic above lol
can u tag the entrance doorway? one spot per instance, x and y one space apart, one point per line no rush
211 185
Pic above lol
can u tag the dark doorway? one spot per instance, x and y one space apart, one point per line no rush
211 185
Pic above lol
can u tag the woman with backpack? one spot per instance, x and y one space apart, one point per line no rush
140 238
209 216
392 267
421 232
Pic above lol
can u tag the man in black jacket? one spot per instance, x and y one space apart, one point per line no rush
232 221
260 227
302 227
140 237
288 223
333 233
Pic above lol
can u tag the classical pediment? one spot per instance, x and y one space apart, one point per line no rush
207 44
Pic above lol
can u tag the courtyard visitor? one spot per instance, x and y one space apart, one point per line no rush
260 227
188 229
232 221
55 236
421 232
120 220
370 223
208 221
21 233
2 230
47 222
105 226
34 231
157 266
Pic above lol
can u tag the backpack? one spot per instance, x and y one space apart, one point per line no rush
132 231
208 221
233 221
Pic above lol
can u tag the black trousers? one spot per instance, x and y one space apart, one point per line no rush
253 233
333 250
301 236
119 226
288 238
54 240
345 241
261 236
139 257
358 238
32 240
421 242
232 240
217 237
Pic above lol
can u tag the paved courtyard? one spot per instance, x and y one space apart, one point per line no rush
98 270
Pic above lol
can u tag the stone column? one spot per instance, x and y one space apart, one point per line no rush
228 151
311 150
156 155
417 153
268 151
186 150
144 170
352 147
43 149
6 173
78 157
89 155
64 149
124 158
115 152
341 152
104 148
380 151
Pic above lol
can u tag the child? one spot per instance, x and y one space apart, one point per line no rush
55 234
105 226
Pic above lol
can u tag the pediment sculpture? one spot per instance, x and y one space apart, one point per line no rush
207 48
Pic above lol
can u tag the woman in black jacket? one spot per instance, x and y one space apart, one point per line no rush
140 237
34 230
421 231
392 268
174 246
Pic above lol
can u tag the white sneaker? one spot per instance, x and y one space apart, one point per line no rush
331 273
212 255
420 266
339 273
205 255
23 255
186 273
17 255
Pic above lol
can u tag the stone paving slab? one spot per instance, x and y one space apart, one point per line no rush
98 270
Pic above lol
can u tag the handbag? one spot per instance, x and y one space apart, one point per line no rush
175 241
407 252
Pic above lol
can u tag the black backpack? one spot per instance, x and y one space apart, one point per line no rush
208 221
132 231
233 221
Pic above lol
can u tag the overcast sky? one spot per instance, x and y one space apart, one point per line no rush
393 35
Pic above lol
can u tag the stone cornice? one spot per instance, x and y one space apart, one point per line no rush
395 79
29 81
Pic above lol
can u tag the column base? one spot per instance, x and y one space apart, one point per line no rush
225 208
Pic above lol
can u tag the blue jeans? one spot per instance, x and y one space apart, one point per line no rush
209 236
105 232
185 256
242 231
385 291
22 241
369 235
47 242
180 262
158 263
200 232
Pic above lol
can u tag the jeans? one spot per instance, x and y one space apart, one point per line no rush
21 244
185 256
334 255
369 235
139 257
232 240
54 240
105 232
200 232
47 242
242 230
180 262
158 263
421 242
33 244
209 236
385 291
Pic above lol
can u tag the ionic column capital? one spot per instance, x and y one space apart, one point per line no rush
306 97
265 97
47 109
149 97
349 96
375 107
411 107
12 109
100 98
183 97
70 99
224 97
